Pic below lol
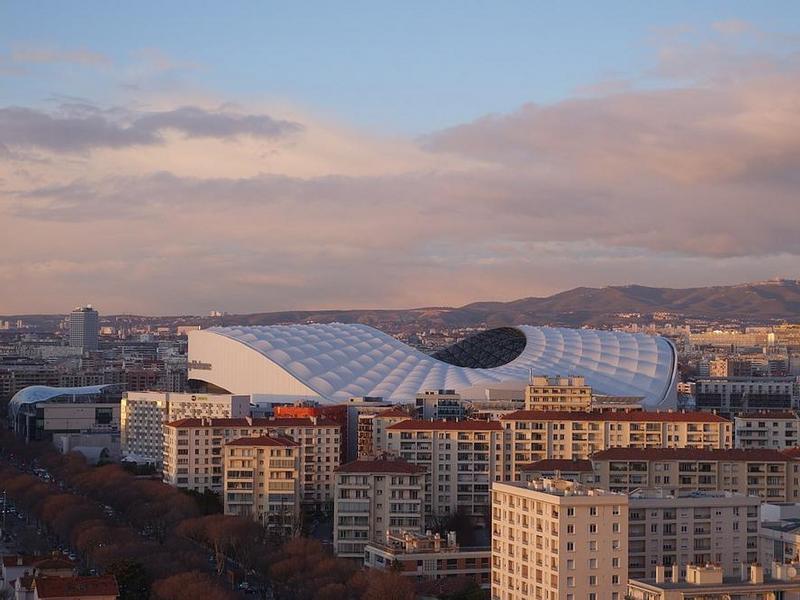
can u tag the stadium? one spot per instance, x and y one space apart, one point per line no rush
331 363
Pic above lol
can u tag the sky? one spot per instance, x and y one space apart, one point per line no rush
179 157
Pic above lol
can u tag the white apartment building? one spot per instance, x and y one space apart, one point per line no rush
372 429
558 393
261 478
374 497
697 527
144 414
193 457
558 540
462 458
533 435
767 429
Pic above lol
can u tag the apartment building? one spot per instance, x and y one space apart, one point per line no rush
461 457
558 540
193 456
763 473
429 556
691 528
767 429
558 393
144 414
779 534
708 582
533 435
372 429
373 498
736 395
261 479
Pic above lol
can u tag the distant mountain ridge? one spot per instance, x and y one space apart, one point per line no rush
759 301
749 302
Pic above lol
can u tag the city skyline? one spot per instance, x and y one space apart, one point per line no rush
269 158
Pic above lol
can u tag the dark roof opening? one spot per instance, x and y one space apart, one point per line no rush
485 350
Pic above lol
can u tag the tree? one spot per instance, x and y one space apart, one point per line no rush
388 586
189 586
134 584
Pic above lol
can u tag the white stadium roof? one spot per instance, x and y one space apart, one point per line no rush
334 362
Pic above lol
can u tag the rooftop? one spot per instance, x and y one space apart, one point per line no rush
77 587
249 422
262 441
422 425
380 465
559 464
633 416
645 454
556 487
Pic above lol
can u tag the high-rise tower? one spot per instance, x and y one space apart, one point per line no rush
83 327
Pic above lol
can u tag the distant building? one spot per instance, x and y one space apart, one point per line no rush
578 470
84 326
429 556
373 499
767 429
691 528
736 395
144 414
440 404
558 393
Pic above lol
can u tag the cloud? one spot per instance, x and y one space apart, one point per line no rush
80 127
154 209
41 55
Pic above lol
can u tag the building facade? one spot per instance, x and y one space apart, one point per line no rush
534 435
373 498
261 478
84 327
558 393
736 395
462 458
767 429
144 414
691 528
193 457
557 540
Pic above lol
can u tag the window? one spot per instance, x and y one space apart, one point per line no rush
570 547
592 511
570 582
615 580
570 565
571 511
615 562
615 527
592 579
570 528
593 546
592 563
592 527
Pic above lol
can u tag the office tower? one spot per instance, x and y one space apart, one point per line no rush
84 327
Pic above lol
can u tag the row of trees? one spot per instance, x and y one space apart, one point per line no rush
156 539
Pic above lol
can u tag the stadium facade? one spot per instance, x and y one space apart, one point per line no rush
331 363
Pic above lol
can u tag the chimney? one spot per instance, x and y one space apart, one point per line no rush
676 573
437 543
659 573
756 573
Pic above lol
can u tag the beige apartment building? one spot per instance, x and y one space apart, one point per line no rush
691 528
767 474
144 414
767 429
193 457
558 393
375 497
261 478
533 435
558 540
461 457
372 429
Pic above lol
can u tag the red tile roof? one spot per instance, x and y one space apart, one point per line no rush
792 452
632 416
736 454
77 587
265 440
380 465
421 425
244 422
11 560
559 464
394 412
